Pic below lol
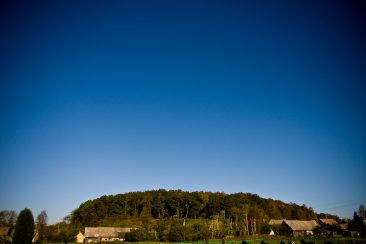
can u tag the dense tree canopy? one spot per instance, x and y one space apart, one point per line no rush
161 204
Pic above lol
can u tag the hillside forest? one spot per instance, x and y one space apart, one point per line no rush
178 215
175 215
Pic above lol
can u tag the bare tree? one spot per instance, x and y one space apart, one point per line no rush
362 211
42 220
8 218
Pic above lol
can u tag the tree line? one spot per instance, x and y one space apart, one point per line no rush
28 230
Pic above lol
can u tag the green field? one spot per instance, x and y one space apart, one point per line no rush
267 240
274 240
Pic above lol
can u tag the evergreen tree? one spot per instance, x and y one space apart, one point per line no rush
24 228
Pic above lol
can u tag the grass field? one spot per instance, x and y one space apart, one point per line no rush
267 240
274 240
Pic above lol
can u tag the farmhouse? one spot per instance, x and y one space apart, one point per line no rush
297 227
105 234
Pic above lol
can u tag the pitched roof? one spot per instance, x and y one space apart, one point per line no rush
104 231
328 221
301 225
275 222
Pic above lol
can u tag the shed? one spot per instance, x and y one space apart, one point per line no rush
344 226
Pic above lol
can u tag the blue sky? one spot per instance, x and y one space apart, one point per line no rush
107 97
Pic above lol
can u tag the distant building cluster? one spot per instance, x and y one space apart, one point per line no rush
294 228
300 228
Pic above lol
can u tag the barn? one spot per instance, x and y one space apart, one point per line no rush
297 227
105 234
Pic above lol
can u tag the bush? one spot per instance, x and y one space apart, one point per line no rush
176 233
132 236
265 228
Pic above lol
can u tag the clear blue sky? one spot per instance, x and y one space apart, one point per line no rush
106 97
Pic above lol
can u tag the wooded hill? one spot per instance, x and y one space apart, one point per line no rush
131 208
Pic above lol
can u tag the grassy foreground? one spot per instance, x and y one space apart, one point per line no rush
275 240
267 240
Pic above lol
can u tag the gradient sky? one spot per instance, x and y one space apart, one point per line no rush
107 97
